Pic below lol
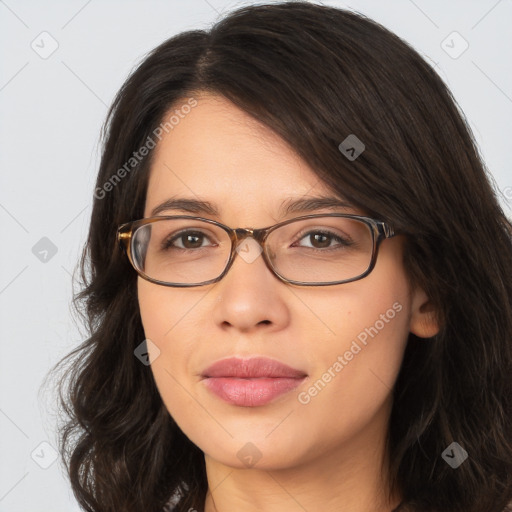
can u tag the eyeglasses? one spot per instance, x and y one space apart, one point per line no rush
312 250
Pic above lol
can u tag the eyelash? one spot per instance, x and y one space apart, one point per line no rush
168 243
342 241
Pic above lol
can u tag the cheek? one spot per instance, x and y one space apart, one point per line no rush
167 319
369 354
165 311
357 364
354 371
373 328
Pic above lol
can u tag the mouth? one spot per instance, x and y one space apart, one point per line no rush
251 382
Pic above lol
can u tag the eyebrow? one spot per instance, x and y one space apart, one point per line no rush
301 205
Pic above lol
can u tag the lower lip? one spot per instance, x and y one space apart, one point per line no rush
250 392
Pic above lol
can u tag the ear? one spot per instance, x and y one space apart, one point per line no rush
423 321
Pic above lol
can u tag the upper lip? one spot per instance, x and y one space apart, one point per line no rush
254 367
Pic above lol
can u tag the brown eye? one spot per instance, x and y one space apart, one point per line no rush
323 240
186 240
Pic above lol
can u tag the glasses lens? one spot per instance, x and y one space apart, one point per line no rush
321 249
180 251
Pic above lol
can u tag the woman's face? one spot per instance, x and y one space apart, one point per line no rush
345 341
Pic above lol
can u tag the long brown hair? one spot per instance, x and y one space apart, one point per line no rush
314 75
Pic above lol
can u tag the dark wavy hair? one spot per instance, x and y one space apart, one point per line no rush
314 75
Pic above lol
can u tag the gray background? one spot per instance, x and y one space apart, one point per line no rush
51 112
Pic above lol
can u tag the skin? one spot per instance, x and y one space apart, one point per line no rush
326 454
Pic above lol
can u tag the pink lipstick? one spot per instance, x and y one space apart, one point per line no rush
251 382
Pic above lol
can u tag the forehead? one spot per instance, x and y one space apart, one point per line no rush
218 153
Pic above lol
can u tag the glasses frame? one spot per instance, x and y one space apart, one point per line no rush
380 230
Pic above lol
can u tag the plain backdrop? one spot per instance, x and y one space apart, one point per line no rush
61 64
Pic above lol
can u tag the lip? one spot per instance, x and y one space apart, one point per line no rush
251 382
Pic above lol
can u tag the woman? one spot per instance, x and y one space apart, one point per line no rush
354 356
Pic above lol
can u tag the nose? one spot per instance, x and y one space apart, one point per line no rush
250 296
